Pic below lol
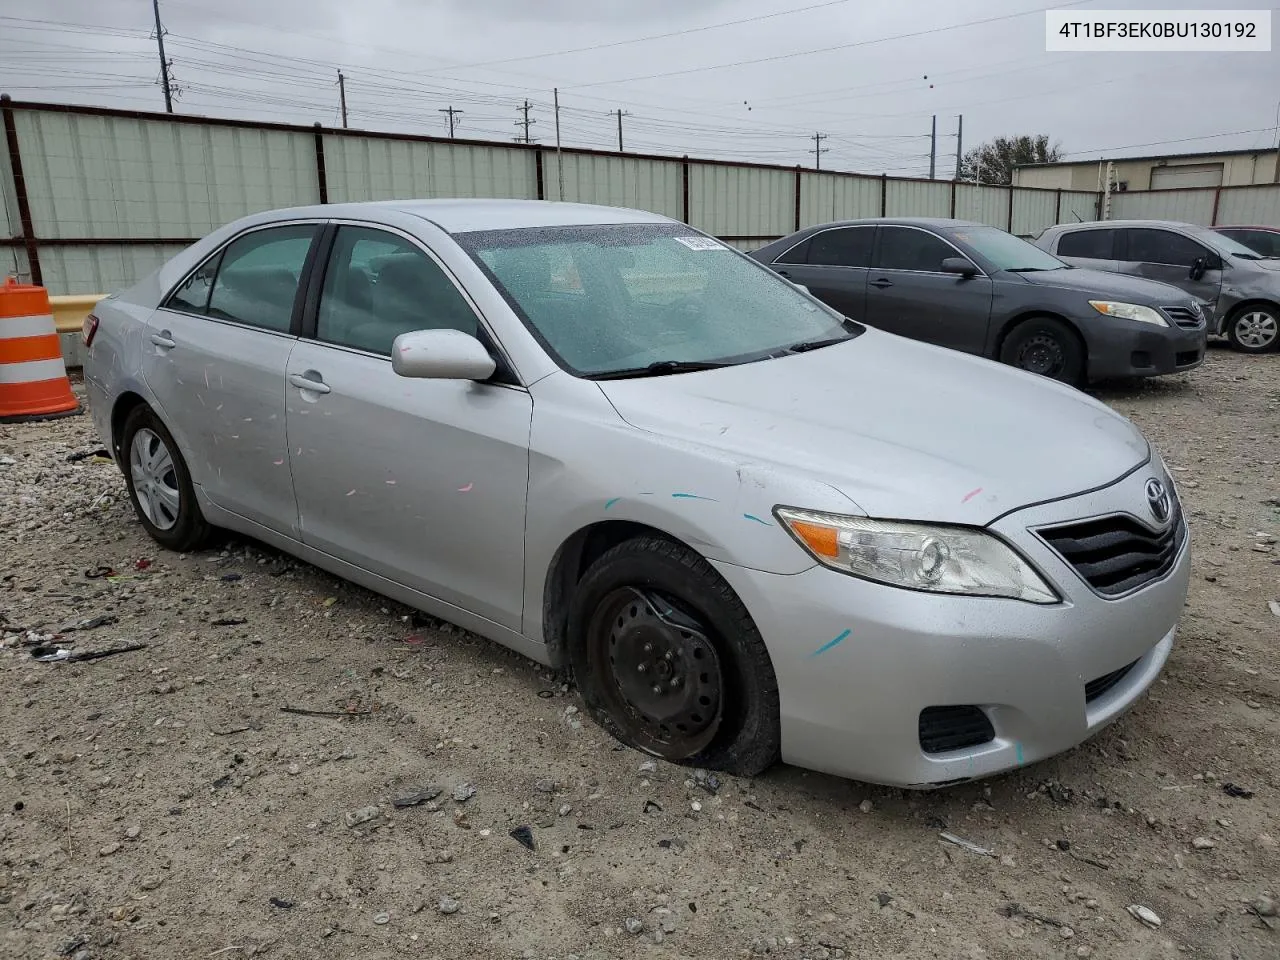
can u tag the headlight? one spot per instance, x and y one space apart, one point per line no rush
1129 311
917 556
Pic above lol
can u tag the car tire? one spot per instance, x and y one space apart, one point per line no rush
1048 347
650 602
1254 328
159 483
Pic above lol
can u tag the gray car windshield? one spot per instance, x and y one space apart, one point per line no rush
1004 251
648 299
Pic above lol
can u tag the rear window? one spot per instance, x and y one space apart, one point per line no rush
1090 244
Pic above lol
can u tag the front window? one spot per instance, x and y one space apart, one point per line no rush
648 298
1230 247
1004 251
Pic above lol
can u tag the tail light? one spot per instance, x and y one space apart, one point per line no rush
89 330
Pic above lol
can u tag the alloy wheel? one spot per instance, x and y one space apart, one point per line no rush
1256 329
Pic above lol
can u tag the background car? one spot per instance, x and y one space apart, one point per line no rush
1263 240
1240 287
975 288
752 527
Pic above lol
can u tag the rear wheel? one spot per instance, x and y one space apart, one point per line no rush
1045 346
669 661
160 484
1254 329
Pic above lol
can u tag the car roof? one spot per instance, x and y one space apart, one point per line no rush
466 215
938 223
1097 224
1246 226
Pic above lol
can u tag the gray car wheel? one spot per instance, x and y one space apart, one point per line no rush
1254 328
159 483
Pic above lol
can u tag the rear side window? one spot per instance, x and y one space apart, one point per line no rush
797 254
905 248
845 247
1089 244
379 285
257 280
1162 246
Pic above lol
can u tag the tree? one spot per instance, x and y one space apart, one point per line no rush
999 156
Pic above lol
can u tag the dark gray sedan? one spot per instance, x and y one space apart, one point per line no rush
975 288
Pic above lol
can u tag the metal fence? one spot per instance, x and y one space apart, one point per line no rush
1257 205
95 198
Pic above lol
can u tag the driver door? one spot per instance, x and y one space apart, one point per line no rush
419 481
1167 256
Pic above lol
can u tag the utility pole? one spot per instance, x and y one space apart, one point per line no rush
452 113
526 122
164 64
818 149
342 97
559 155
933 146
621 113
959 140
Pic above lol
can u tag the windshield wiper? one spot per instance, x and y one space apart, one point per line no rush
1033 269
851 331
660 368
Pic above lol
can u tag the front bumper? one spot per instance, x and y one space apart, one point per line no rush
1123 348
857 662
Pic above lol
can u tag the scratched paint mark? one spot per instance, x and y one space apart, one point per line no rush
611 502
248 419
391 483
351 493
299 451
467 488
970 495
1018 752
647 493
235 436
217 408
751 516
840 637
692 496
201 399
278 463
206 378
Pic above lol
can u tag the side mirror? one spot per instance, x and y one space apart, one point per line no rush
960 265
1198 267
441 355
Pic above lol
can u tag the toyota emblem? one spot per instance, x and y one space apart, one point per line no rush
1158 500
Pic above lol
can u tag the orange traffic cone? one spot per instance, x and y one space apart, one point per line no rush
33 376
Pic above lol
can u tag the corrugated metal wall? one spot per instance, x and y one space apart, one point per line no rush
1078 206
833 196
375 168
741 201
917 198
68 269
654 185
988 205
1033 212
1258 206
1189 206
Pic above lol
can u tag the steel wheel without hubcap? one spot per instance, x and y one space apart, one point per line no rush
1042 354
155 480
1255 330
662 681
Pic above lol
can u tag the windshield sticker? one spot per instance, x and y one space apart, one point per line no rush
700 243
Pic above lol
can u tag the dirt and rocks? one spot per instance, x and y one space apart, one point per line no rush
428 793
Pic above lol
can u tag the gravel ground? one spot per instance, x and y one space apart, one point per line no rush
160 803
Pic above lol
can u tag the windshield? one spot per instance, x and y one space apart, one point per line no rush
1228 247
625 297
1004 251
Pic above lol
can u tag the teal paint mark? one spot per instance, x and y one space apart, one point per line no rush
692 496
757 519
610 503
831 643
1018 752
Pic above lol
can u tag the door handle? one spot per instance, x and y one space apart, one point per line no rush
882 283
783 273
303 383
163 340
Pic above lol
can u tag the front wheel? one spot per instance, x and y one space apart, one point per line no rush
160 485
1045 346
669 661
1254 329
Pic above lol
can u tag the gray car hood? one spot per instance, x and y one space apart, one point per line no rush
1101 285
904 429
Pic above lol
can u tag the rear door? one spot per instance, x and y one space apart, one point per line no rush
909 294
833 265
1094 248
215 357
1164 255
419 481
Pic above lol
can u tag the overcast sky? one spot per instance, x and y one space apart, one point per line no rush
406 60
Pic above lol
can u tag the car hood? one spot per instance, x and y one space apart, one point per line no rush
1271 263
1102 285
904 429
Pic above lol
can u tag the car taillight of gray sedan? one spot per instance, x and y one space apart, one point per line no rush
754 529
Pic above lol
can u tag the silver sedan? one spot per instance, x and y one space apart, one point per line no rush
754 529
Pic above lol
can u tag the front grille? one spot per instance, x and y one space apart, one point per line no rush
1183 316
1117 554
1097 687
953 728
1186 358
